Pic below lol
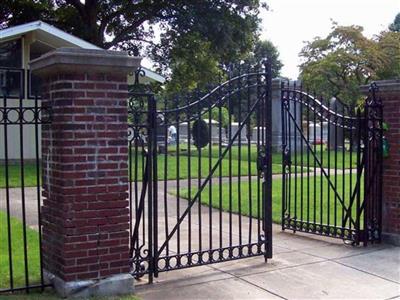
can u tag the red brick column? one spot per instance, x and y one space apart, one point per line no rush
389 92
85 213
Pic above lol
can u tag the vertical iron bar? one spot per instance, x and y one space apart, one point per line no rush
7 178
315 168
308 161
350 206
329 164
358 170
284 145
366 168
166 178
295 148
336 162
321 208
343 179
36 118
258 118
289 153
199 185
301 155
250 200
130 184
178 197
210 184
268 171
152 143
380 168
189 180
230 155
220 174
155 191
239 192
21 153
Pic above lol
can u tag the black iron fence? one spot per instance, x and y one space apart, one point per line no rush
200 173
332 163
200 182
20 186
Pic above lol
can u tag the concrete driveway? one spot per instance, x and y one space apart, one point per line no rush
303 267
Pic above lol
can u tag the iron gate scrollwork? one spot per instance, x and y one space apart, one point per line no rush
200 185
332 164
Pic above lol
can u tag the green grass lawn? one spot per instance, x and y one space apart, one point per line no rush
277 156
320 210
33 262
342 158
14 178
247 164
172 169
17 250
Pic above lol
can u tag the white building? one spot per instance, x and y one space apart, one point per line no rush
18 46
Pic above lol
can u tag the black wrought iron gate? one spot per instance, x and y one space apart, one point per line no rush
200 185
332 165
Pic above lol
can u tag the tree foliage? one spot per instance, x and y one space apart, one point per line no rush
192 64
199 67
224 120
339 63
188 40
264 49
229 27
395 26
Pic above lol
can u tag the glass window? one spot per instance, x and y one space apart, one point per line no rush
11 74
11 81
11 54
35 84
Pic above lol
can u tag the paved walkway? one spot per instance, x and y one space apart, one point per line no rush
303 267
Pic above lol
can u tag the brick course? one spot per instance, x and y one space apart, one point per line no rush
391 164
85 213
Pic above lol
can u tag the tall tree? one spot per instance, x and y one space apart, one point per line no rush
395 26
192 64
198 67
388 43
264 49
229 26
339 63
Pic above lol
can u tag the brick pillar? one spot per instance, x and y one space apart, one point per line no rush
389 92
85 212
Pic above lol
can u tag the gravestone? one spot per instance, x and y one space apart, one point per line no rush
183 132
336 132
241 136
277 118
314 130
214 127
257 134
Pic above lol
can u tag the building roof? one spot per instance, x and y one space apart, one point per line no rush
59 38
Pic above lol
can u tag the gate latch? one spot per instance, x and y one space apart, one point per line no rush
262 162
287 161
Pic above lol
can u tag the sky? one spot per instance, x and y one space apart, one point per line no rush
288 23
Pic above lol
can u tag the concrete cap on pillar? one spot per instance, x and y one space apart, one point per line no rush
390 85
84 60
